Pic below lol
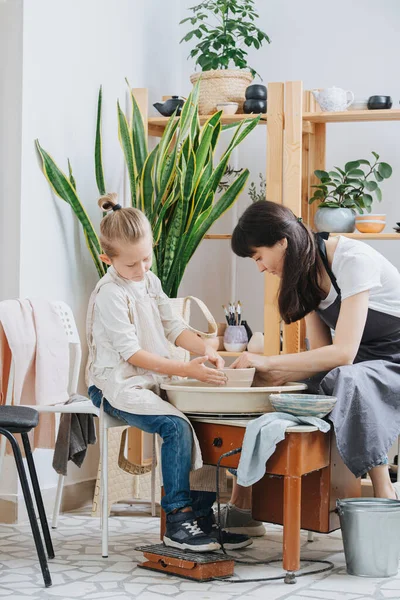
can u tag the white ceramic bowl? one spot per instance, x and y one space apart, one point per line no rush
308 405
228 108
190 396
239 377
368 216
359 104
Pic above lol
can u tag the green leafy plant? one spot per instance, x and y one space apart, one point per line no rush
352 187
261 193
174 184
226 29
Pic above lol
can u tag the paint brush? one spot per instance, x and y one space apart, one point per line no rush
226 314
239 312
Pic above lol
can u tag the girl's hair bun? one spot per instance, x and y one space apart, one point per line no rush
108 201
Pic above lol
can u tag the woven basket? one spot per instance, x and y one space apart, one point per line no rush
221 85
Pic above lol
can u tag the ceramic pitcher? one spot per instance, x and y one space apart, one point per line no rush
334 99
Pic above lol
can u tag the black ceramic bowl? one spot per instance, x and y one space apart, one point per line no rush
255 106
379 102
256 92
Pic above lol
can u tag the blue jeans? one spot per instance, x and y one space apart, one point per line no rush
176 455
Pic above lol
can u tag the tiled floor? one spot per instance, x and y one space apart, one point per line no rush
78 571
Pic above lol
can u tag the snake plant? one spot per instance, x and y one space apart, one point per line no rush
175 184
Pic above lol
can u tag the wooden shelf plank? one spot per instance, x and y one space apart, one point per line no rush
370 236
218 236
356 236
352 116
160 122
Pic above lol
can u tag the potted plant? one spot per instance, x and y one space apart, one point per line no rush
260 193
344 191
174 185
224 31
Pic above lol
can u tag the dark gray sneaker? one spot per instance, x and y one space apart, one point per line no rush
183 532
231 541
237 520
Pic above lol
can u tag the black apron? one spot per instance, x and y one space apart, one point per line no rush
366 416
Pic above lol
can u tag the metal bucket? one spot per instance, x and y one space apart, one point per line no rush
371 535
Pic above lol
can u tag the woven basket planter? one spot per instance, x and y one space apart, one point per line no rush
221 85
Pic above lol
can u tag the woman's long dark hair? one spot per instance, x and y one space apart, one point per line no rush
264 223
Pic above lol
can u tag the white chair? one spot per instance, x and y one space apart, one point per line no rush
85 407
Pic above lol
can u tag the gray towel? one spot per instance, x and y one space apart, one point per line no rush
260 440
76 431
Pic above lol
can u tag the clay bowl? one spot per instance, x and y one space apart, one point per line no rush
370 226
239 377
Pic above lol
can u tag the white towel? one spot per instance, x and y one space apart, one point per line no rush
260 440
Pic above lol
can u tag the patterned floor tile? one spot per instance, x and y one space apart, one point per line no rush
79 571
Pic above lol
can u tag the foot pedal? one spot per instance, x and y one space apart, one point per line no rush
199 566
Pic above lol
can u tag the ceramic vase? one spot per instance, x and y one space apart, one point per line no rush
235 338
335 220
256 343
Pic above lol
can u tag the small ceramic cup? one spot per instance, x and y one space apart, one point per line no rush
235 338
228 108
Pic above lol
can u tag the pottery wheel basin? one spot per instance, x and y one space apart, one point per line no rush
192 396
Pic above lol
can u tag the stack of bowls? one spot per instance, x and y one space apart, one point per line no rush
370 223
256 99
359 104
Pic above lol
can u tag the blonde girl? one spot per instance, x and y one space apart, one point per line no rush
130 323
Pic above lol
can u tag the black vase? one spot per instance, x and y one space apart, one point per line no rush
256 92
248 330
379 102
255 106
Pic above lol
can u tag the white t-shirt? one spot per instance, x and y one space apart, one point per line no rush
357 268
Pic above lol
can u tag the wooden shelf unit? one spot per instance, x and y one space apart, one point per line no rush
355 235
156 125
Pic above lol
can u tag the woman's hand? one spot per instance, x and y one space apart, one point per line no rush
248 360
196 369
266 375
214 357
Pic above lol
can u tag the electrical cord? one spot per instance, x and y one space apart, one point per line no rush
287 577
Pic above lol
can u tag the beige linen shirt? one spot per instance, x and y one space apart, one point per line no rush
123 318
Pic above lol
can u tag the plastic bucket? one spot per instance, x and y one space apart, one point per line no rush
371 535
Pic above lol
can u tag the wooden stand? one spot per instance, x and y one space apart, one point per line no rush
303 479
190 565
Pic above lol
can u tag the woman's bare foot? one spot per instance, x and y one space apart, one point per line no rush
383 487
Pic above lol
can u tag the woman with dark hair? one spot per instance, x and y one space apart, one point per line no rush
349 295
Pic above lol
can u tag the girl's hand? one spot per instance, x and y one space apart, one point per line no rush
214 357
196 369
247 360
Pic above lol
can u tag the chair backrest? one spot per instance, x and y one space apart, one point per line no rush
67 319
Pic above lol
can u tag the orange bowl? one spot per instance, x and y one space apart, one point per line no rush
368 217
370 226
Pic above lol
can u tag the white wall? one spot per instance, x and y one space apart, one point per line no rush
58 54
10 144
354 45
